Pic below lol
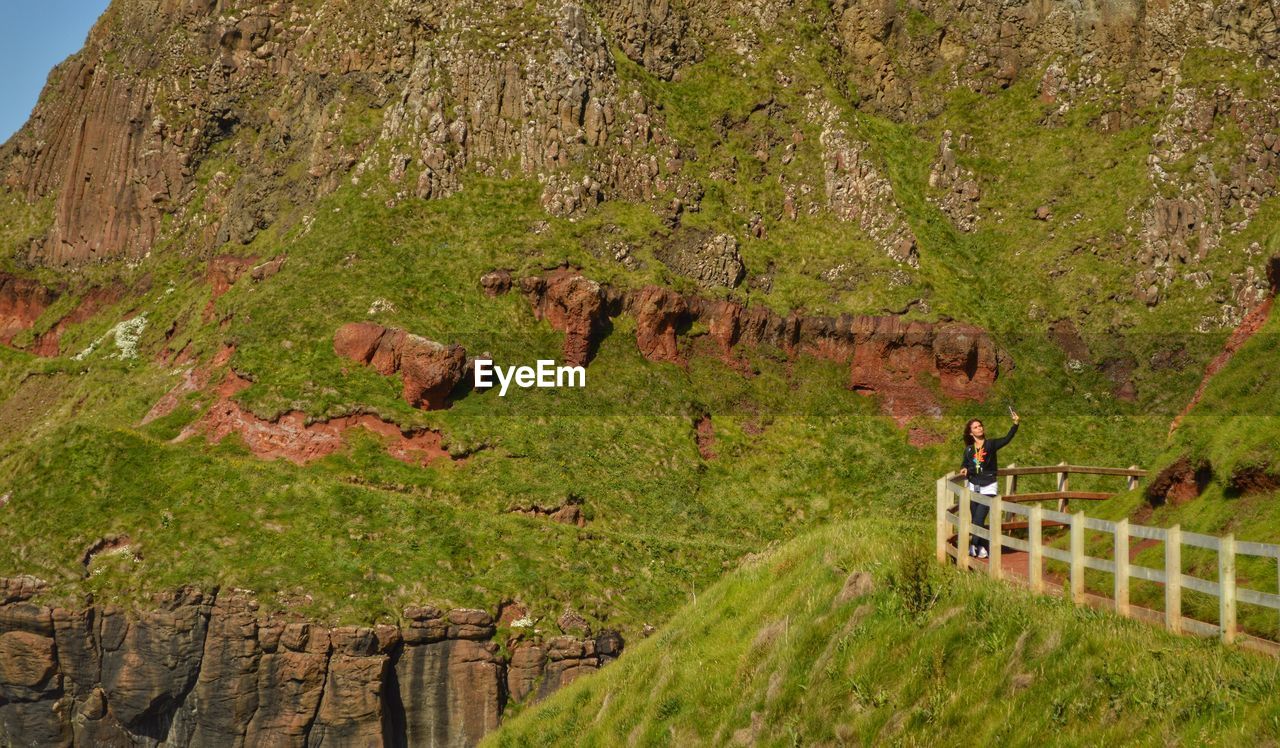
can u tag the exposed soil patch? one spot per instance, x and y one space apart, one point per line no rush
1253 479
95 300
104 546
194 379
920 438
292 438
705 432
1180 482
22 301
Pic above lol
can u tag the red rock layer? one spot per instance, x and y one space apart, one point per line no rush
430 370
291 437
22 301
887 356
569 303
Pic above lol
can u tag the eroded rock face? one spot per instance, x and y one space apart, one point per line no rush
22 301
571 303
659 314
292 437
886 356
430 370
712 260
207 669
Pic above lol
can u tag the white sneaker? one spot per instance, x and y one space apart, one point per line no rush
973 550
982 553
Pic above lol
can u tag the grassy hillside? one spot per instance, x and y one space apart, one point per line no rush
358 535
774 655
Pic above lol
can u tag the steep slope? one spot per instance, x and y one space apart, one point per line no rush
845 637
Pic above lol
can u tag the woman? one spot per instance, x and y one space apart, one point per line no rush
979 468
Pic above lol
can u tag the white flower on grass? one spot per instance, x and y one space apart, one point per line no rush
126 334
522 623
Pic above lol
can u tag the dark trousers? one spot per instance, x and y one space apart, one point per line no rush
979 514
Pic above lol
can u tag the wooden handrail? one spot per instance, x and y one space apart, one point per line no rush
1225 587
1077 469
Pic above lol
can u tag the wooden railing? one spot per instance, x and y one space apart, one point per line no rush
1037 518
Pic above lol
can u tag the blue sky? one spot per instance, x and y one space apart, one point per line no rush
38 35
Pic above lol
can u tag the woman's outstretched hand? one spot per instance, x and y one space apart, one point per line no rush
1014 415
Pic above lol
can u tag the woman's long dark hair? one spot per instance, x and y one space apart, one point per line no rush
968 435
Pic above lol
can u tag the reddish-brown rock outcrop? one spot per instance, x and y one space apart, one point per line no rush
1180 482
22 301
887 356
430 370
659 313
207 669
291 437
572 304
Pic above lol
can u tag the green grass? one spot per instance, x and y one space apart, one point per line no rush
771 645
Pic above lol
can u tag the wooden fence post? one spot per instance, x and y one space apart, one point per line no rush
1062 487
1036 548
1173 579
1133 479
1227 587
962 536
941 520
1122 567
994 523
1011 483
1077 557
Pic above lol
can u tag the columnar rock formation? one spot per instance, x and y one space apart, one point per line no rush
207 669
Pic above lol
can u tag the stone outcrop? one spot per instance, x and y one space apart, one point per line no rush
293 437
890 50
572 304
430 370
659 314
203 668
653 33
858 193
22 301
568 513
711 260
886 355
958 187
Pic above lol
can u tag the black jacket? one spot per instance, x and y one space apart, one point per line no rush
982 466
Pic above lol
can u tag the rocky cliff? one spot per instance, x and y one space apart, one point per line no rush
203 668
